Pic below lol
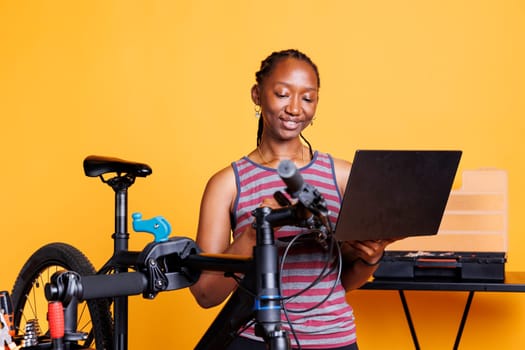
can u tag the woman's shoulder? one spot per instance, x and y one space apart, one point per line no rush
342 164
220 188
222 176
339 163
221 183
342 170
226 177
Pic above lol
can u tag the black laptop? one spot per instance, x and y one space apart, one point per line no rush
396 193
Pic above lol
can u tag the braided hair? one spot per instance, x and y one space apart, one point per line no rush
267 66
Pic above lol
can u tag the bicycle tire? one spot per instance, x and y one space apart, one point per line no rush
29 289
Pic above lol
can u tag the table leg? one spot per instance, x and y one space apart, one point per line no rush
409 319
463 319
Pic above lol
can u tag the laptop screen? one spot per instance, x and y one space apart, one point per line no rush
396 193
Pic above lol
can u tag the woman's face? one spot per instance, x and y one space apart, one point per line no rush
288 98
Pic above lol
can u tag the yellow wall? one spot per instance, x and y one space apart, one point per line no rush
167 83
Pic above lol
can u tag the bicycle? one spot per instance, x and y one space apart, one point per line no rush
167 263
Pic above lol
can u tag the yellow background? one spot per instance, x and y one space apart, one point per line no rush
168 83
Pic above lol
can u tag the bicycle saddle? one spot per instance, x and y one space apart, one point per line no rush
98 165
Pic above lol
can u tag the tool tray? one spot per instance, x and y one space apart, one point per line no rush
440 266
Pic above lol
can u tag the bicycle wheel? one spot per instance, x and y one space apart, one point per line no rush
29 301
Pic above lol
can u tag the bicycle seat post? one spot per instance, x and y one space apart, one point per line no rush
120 185
121 235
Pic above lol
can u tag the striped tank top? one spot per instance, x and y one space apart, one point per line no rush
325 326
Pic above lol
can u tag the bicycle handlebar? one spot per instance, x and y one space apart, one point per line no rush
307 196
116 285
120 284
291 176
161 266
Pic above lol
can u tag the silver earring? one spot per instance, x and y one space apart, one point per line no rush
257 109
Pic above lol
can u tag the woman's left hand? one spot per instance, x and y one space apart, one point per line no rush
370 252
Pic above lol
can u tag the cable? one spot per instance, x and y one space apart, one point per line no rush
285 254
334 261
238 280
321 276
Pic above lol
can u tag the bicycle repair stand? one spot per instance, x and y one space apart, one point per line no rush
265 304
268 301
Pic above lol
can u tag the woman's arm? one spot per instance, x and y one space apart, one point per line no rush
360 260
213 236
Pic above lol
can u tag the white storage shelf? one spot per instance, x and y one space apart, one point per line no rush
475 218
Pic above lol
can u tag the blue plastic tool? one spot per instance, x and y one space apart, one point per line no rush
158 226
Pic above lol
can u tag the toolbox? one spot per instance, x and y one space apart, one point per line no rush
448 266
471 244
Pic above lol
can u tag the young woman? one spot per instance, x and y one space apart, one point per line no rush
285 95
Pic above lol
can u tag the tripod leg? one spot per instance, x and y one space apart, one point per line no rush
409 319
463 319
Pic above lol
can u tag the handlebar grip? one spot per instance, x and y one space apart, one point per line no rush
291 177
119 284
